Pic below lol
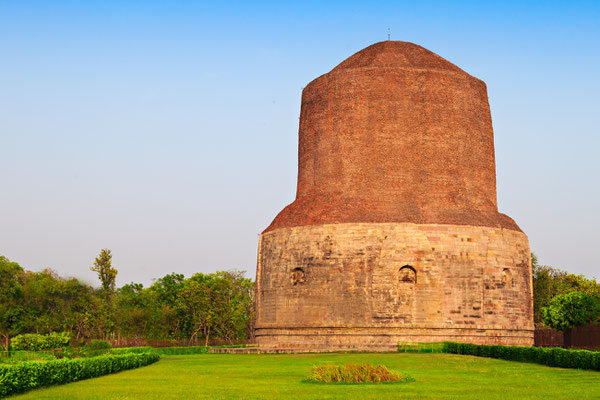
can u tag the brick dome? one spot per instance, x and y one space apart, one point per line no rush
397 54
395 133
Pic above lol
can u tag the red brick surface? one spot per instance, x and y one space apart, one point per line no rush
395 133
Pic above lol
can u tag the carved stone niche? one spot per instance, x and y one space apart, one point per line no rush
407 274
507 279
297 277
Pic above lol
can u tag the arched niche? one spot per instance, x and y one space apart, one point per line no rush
407 275
507 278
297 276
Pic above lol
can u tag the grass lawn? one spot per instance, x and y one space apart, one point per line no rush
266 376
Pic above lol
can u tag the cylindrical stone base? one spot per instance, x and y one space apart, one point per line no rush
368 286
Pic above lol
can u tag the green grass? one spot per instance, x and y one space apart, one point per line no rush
266 376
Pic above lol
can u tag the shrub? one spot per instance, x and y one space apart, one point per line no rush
33 374
96 347
56 340
550 356
355 373
28 342
171 351
35 342
135 350
178 351
431 347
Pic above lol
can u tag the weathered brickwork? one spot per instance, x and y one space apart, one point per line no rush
471 284
395 134
395 233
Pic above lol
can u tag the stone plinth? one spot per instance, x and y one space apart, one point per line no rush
368 286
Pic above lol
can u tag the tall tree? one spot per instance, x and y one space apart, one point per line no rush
549 282
567 311
11 279
106 273
195 301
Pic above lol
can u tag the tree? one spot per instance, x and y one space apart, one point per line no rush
542 287
194 301
549 282
567 311
11 293
106 273
56 340
137 310
168 287
28 342
218 304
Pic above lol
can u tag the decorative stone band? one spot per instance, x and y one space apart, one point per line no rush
384 338
370 285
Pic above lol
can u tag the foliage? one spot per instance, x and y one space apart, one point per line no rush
412 347
549 282
220 304
550 356
11 276
36 342
29 342
32 374
57 340
178 351
98 345
50 303
170 351
355 373
106 273
567 311
135 350
173 307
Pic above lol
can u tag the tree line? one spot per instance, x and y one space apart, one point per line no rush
218 305
549 283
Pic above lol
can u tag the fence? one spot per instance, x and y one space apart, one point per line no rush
585 337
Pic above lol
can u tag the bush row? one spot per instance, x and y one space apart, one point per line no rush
416 347
178 351
550 356
172 351
33 374
134 350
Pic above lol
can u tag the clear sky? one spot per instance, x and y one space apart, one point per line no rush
167 131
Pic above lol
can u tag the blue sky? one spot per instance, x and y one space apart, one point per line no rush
167 131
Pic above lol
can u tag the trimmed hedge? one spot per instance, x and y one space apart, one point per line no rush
416 347
170 351
134 350
550 356
33 374
179 351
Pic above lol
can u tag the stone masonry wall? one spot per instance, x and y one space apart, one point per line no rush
370 285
